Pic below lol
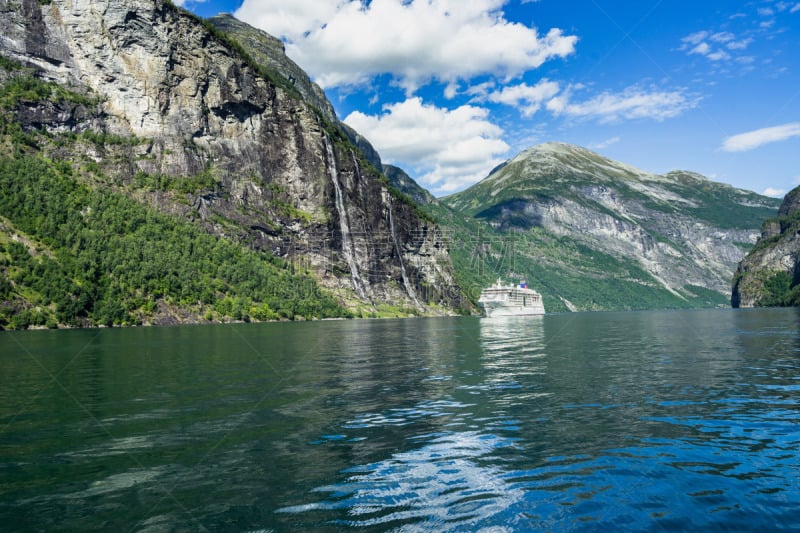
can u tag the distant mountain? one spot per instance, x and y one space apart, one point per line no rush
769 274
599 234
404 183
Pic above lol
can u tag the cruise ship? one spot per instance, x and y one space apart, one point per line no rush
510 300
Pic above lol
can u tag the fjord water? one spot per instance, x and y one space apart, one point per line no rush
680 420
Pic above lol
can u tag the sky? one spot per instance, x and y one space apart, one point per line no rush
448 89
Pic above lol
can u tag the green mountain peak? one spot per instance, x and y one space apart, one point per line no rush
602 234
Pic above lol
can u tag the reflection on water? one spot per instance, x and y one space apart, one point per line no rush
585 422
448 479
513 352
606 421
440 485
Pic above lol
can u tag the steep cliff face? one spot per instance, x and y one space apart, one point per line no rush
769 274
270 52
283 175
680 229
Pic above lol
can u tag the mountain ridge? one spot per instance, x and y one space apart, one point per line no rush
682 232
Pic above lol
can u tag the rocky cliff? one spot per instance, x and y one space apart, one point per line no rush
677 235
281 174
269 52
769 275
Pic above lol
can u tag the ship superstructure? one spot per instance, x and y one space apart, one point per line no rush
510 300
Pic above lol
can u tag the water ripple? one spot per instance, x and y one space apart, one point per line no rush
684 421
406 416
441 486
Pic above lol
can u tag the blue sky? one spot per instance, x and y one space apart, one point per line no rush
447 89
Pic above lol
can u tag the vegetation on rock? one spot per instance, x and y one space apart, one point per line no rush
100 228
768 276
198 189
73 253
100 258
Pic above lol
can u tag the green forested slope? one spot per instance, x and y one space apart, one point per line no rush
77 250
106 259
565 271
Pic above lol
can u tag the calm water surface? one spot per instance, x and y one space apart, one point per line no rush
657 421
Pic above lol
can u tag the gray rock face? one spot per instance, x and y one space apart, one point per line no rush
270 53
197 106
790 204
366 148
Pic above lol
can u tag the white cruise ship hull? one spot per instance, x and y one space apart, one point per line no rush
492 309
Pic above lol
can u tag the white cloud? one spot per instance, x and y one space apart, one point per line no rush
777 193
704 49
481 90
719 55
695 38
451 90
632 103
527 98
722 37
701 49
289 20
795 8
347 42
739 45
447 149
753 139
698 44
605 144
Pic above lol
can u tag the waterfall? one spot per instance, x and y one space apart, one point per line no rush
359 181
344 226
406 282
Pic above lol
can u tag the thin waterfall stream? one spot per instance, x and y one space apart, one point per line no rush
344 226
359 180
409 288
